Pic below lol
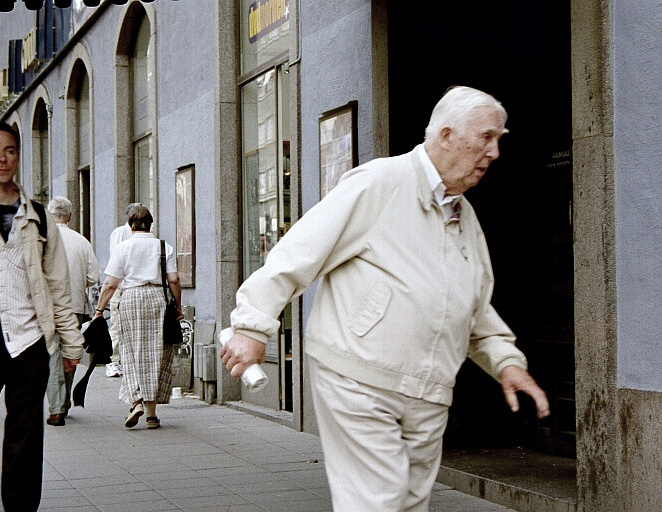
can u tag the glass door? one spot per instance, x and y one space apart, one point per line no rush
266 197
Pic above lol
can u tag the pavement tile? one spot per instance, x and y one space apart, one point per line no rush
204 458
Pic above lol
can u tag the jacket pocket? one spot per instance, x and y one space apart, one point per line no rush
372 310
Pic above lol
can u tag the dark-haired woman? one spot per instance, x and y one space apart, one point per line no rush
135 265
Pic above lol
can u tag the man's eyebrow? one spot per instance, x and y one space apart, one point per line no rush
496 132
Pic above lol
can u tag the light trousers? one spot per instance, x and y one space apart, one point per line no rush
382 449
60 382
58 391
114 325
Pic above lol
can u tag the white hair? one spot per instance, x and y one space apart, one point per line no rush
60 207
455 107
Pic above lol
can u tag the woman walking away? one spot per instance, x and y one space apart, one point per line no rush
135 266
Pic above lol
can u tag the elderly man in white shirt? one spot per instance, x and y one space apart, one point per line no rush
404 287
83 272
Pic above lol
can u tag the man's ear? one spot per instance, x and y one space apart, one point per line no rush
445 136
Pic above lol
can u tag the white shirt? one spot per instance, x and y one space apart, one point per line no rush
118 236
137 261
83 266
446 203
18 315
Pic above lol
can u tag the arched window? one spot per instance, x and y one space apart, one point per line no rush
135 179
79 157
142 126
40 154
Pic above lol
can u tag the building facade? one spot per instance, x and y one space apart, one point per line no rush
230 119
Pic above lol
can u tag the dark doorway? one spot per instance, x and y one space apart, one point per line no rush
520 52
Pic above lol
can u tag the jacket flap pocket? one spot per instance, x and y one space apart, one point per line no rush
373 310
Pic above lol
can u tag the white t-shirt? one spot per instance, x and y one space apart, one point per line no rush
118 236
82 263
137 262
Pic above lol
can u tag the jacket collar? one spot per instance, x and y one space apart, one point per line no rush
30 212
424 189
422 184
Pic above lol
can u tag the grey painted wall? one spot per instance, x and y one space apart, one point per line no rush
14 25
638 188
186 54
336 67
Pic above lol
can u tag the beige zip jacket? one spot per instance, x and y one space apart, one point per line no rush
48 275
403 296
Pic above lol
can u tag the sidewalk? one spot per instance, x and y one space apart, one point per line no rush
204 458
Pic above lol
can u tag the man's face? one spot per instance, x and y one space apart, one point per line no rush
471 152
8 157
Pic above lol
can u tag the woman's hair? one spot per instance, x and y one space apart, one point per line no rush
140 219
455 107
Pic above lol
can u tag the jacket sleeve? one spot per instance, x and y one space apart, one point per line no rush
492 343
330 233
56 274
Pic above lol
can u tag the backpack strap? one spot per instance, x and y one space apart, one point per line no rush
43 223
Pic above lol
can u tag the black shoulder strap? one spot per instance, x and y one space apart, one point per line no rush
163 270
43 224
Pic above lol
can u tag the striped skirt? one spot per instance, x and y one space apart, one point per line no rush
147 363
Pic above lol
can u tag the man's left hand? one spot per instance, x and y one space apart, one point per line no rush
69 364
514 379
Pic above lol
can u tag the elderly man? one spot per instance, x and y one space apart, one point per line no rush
34 304
83 272
403 299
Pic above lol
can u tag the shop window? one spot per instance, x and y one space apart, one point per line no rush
266 195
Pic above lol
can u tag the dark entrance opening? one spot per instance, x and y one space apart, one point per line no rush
520 52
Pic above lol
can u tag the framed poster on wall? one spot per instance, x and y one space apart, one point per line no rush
338 141
185 220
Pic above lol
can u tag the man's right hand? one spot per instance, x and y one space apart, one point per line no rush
240 352
69 365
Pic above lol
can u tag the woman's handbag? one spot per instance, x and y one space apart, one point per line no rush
172 329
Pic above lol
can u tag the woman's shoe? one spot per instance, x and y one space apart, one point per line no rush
153 422
134 415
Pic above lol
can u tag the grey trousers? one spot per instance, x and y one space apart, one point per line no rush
382 449
58 391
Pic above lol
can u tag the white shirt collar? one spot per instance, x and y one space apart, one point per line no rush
446 203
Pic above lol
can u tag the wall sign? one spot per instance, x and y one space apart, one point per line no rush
338 145
265 16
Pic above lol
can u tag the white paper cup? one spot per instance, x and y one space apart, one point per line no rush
253 377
